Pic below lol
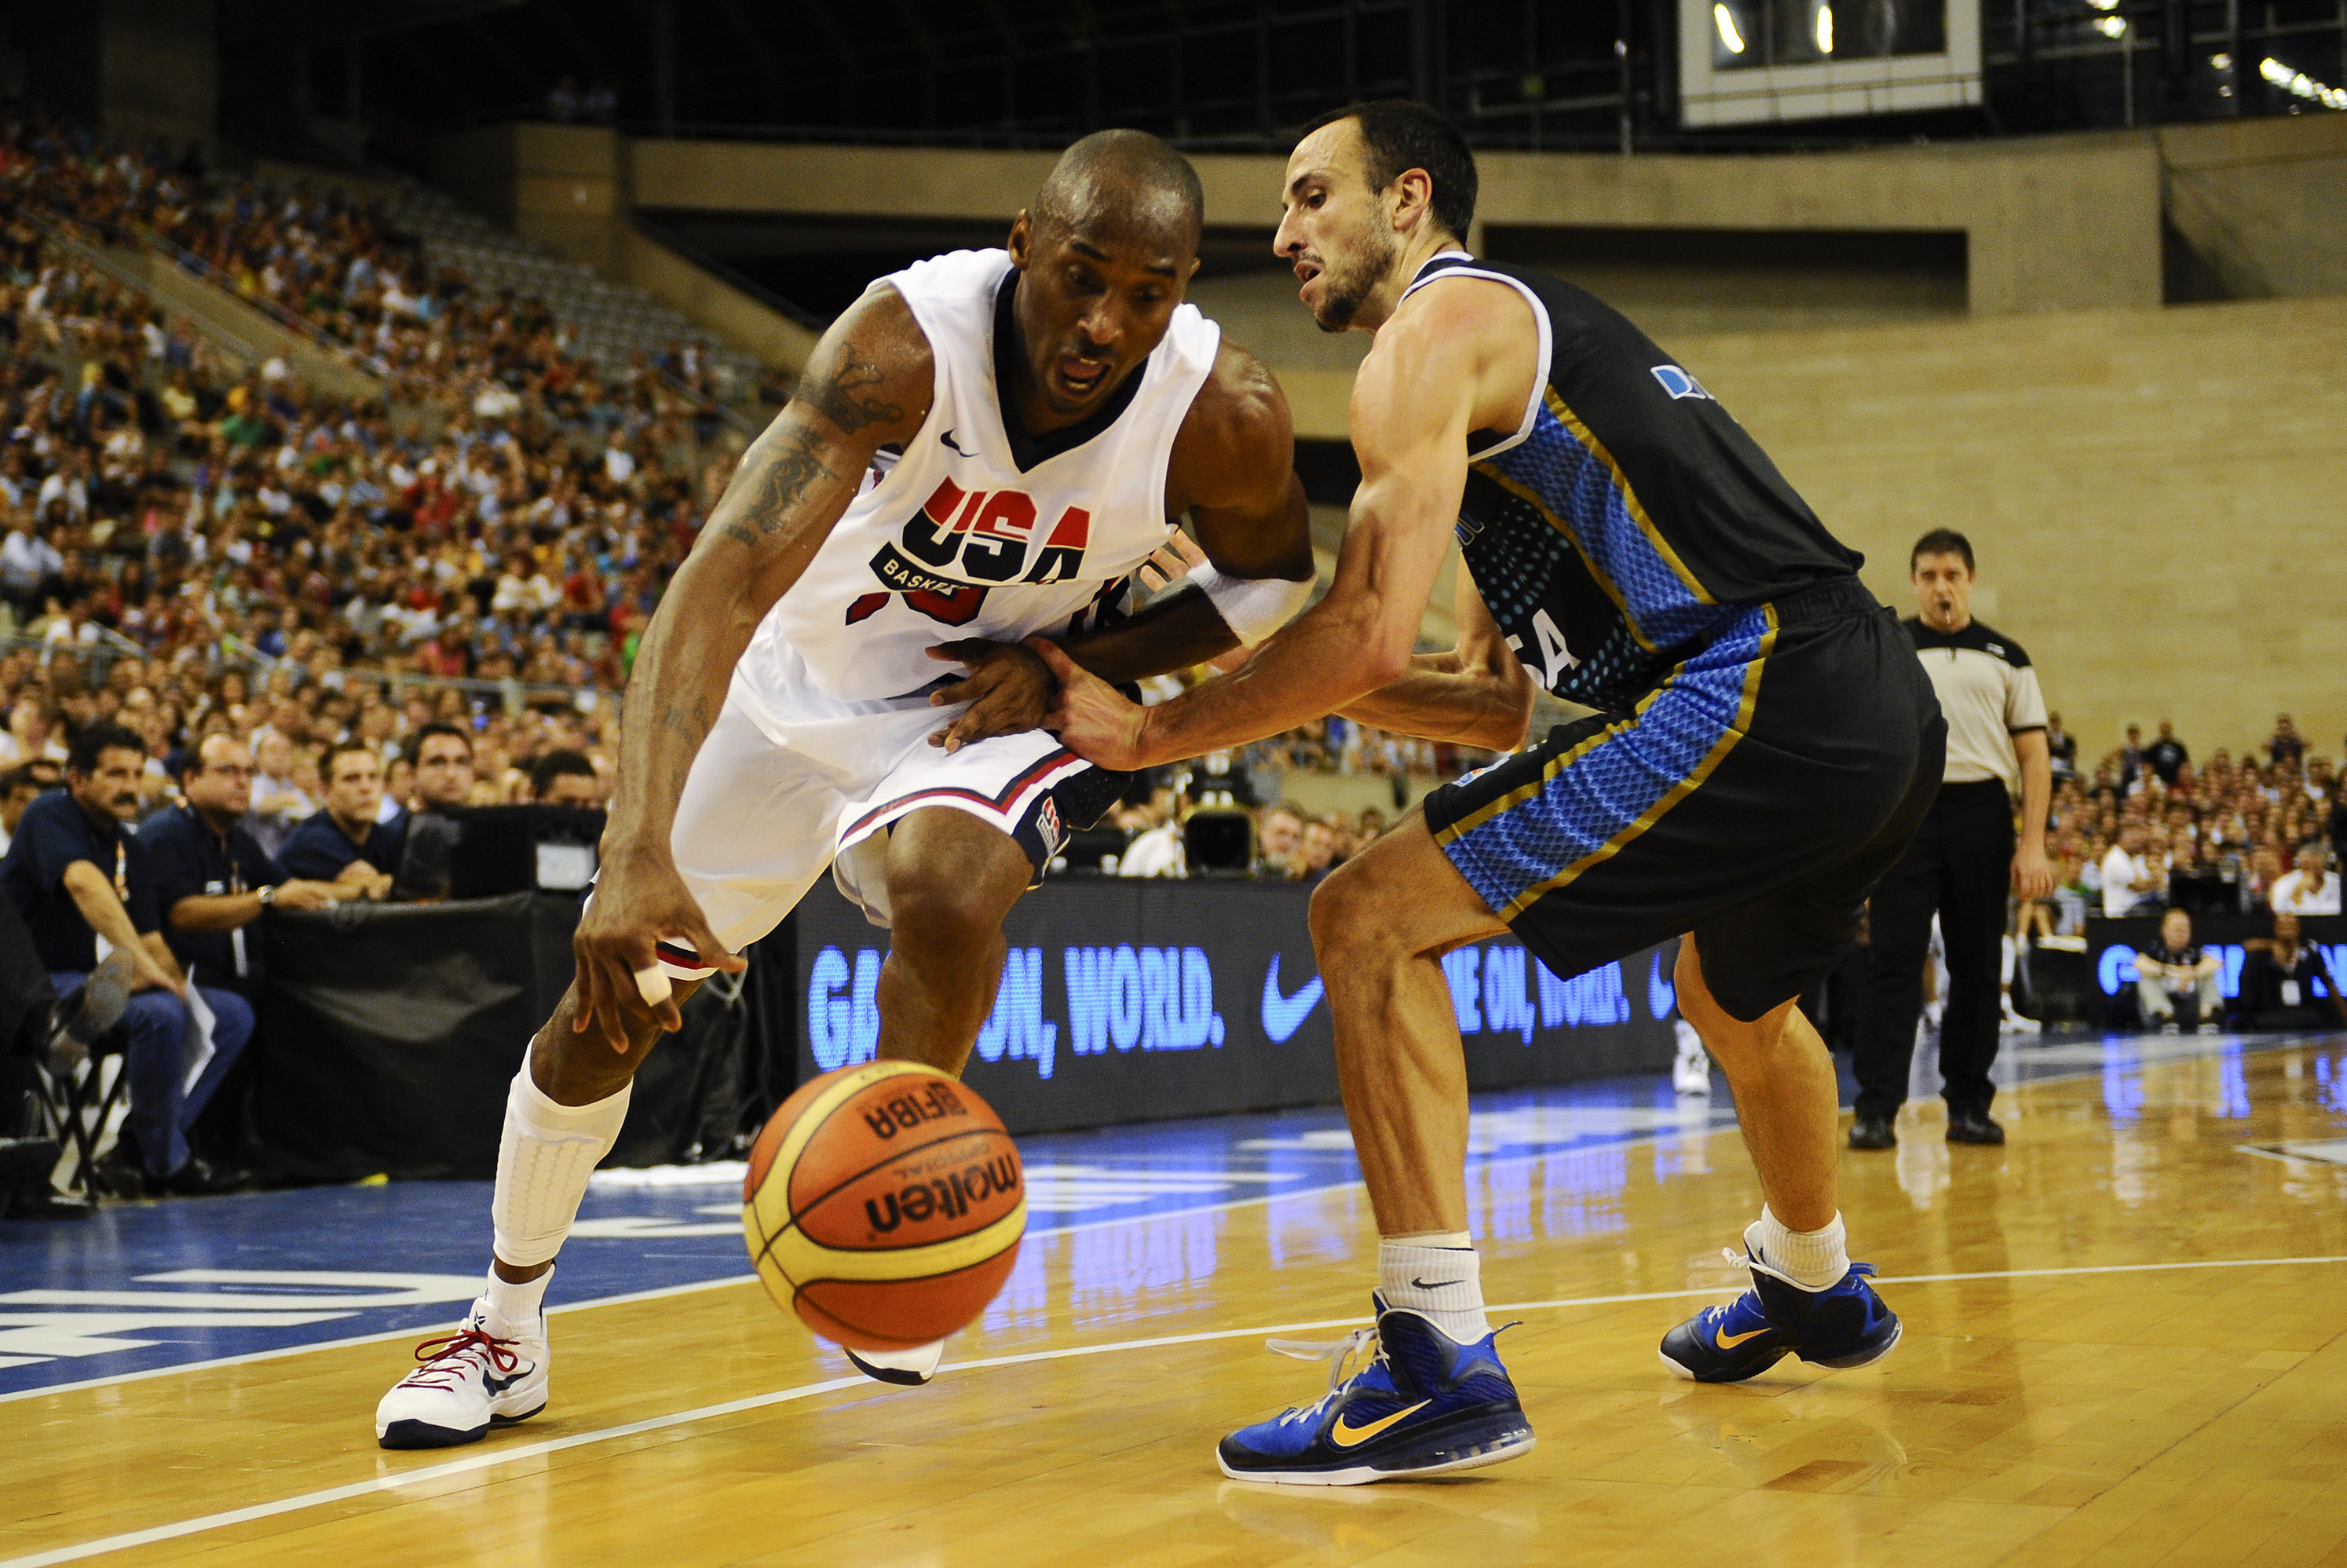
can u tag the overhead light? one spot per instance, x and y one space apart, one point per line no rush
2220 62
2104 4
1825 29
1729 39
2298 83
2112 27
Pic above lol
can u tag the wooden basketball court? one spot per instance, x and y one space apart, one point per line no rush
2125 1342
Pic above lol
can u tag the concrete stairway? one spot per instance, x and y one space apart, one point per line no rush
611 322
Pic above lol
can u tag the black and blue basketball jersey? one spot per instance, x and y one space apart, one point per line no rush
1628 521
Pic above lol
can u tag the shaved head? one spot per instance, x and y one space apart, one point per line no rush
1128 182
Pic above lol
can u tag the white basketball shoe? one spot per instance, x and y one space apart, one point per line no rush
910 1367
471 1380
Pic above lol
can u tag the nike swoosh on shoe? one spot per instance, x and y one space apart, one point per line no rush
1345 1436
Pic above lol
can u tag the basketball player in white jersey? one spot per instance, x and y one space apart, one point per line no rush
984 447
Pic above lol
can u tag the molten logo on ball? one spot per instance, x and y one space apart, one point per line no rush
884 1206
949 1199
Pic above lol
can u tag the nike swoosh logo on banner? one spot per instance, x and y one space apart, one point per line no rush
1661 995
1345 1436
948 440
1730 1341
1284 1015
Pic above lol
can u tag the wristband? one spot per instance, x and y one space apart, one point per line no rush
1252 607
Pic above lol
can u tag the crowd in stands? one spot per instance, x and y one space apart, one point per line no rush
2149 828
2152 832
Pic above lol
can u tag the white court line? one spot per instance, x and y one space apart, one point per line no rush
1260 1201
480 1461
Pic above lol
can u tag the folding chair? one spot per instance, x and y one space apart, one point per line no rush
84 1110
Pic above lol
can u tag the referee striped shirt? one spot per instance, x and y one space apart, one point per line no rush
1988 692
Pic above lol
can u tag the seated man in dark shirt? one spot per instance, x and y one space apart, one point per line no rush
343 844
2286 984
79 876
2177 978
213 879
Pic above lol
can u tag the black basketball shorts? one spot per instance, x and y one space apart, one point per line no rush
1754 798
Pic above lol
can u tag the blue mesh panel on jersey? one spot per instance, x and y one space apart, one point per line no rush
1518 561
1579 488
1583 806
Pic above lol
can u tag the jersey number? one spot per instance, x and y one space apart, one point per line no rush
959 608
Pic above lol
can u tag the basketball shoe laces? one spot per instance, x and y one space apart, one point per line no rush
450 1359
1347 1359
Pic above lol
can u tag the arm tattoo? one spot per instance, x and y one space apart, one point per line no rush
779 478
850 398
692 725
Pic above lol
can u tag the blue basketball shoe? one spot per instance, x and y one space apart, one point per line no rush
1843 1326
1420 1404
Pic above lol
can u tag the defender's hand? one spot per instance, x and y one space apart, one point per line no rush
637 902
1008 689
1091 717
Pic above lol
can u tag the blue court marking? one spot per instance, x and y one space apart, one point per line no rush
151 1286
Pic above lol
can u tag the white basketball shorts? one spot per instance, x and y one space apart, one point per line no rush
792 780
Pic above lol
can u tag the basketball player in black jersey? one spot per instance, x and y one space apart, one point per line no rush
1764 749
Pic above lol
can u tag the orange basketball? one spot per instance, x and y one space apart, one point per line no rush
884 1204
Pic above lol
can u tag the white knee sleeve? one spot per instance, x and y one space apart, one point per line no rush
547 1152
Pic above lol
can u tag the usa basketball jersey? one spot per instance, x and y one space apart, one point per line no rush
977 529
1626 520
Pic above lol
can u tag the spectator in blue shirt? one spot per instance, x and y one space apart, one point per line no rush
213 879
343 844
80 878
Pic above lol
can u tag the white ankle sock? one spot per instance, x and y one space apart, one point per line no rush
1439 1276
1814 1260
516 1308
546 1154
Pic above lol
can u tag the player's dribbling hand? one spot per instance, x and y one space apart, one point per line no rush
1091 718
637 902
1008 689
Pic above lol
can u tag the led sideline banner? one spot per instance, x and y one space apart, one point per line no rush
2112 945
1139 1001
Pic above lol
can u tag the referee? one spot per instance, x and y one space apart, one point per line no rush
1961 861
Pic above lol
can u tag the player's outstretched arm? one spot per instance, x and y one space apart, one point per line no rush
869 382
1232 471
1477 695
1414 401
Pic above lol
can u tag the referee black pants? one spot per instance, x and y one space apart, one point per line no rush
1960 864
